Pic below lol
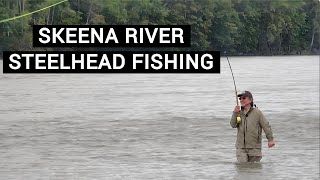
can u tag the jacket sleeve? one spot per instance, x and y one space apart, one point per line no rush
233 121
266 127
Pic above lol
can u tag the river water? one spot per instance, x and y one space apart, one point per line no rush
158 126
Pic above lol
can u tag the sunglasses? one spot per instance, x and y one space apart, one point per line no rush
240 98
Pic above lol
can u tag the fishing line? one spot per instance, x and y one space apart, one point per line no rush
18 17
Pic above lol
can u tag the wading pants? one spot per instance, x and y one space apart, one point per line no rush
249 154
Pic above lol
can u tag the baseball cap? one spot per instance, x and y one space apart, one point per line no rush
245 94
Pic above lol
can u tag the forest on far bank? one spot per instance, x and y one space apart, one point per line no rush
239 27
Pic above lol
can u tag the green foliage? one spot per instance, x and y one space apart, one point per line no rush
240 27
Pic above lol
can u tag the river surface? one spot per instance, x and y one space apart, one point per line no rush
158 126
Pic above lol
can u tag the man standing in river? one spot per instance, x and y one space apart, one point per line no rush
250 126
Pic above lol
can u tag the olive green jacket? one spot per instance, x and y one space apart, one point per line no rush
250 128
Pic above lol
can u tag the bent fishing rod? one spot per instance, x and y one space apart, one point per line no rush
235 88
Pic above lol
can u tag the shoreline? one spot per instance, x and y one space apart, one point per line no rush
243 55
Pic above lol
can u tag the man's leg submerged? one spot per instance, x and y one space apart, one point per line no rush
254 158
242 155
254 155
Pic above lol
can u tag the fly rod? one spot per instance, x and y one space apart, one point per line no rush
235 89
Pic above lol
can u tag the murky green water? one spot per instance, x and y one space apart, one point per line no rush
158 126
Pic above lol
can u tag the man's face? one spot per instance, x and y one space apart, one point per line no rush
244 100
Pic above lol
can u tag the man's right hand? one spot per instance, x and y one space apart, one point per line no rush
236 109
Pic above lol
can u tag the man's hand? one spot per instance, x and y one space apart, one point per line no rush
236 109
271 144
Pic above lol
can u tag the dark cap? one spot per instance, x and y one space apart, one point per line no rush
245 94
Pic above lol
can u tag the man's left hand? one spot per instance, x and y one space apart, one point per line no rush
271 144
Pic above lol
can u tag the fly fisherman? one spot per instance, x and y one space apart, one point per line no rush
250 125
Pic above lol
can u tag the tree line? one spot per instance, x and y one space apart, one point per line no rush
239 27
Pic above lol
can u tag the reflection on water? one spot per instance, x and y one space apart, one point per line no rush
249 171
254 166
158 126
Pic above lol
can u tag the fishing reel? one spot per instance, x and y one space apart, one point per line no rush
238 119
